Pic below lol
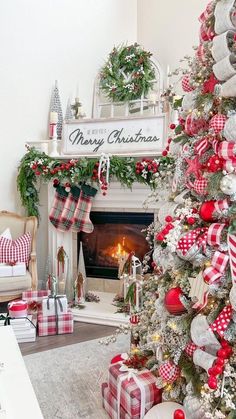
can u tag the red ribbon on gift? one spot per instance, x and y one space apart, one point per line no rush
222 321
218 266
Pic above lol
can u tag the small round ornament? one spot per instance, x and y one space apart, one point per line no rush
179 414
206 211
217 123
228 184
214 164
230 129
169 372
173 303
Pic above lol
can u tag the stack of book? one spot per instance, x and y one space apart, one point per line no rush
24 328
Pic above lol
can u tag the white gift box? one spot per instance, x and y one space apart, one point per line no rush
19 269
48 305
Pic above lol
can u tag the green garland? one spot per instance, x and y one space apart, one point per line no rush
36 166
128 73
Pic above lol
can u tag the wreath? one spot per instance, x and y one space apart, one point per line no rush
128 73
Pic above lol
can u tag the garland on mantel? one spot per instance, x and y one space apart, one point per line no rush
36 165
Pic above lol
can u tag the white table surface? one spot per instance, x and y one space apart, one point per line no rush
17 395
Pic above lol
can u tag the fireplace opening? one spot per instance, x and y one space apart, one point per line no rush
115 235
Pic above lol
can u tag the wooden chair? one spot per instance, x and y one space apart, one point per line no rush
12 287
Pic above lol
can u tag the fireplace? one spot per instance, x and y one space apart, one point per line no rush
115 235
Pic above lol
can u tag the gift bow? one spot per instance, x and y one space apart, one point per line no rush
218 266
197 236
130 373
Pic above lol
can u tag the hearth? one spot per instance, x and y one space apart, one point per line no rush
115 235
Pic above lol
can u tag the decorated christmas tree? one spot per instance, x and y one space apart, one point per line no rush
55 106
188 320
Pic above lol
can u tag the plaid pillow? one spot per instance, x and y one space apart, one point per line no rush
15 250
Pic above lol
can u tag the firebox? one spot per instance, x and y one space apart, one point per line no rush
115 235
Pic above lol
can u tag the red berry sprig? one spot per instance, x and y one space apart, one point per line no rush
223 355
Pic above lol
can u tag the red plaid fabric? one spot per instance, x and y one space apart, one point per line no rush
206 34
214 234
218 266
57 206
232 254
67 215
222 321
109 403
206 14
221 205
190 348
34 295
169 372
227 150
47 324
217 123
15 250
185 84
81 219
199 186
130 394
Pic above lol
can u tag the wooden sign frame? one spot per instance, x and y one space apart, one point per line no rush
131 136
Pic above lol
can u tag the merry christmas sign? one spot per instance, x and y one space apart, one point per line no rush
126 136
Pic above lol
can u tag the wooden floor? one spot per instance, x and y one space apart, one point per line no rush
82 333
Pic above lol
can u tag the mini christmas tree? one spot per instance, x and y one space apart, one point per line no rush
188 317
69 113
55 106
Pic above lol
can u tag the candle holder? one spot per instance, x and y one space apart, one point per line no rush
53 148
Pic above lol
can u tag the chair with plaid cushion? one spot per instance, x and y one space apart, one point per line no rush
22 246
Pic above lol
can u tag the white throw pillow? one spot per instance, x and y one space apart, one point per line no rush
6 234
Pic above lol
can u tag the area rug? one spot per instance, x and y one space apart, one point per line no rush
67 381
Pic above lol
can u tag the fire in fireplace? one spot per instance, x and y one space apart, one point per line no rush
115 235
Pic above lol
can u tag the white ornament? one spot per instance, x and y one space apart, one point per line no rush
163 411
193 408
201 334
232 297
230 129
228 184
189 102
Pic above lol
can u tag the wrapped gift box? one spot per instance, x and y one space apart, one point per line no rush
48 305
130 389
34 295
19 269
109 403
24 328
47 325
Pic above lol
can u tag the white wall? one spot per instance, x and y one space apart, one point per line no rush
40 41
170 28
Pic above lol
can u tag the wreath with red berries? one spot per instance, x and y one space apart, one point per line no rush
127 74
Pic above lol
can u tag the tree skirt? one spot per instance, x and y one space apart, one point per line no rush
67 381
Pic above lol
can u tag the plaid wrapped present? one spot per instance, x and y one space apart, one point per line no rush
135 391
109 403
55 325
34 299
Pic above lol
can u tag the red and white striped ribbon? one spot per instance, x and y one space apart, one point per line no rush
201 146
221 205
214 234
231 239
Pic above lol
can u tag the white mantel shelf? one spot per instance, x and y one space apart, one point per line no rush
17 396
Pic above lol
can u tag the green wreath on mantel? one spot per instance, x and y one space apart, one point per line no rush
36 166
128 73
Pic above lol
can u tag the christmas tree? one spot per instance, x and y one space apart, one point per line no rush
55 106
188 320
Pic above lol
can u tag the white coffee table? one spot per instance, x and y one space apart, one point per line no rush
17 395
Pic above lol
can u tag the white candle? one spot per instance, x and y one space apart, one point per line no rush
53 118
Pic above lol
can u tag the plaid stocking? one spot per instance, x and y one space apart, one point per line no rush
58 205
81 218
67 214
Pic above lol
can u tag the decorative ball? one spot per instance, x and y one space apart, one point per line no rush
179 414
193 125
169 372
217 123
172 301
190 348
230 129
214 164
163 410
186 85
207 210
228 184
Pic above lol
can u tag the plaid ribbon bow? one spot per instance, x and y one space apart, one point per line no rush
215 231
218 266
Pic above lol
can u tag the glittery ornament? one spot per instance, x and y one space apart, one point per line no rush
169 372
217 123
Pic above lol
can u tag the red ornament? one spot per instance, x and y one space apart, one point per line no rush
172 126
209 85
179 414
219 361
168 219
169 372
212 382
217 123
214 164
222 353
186 84
207 210
193 125
191 220
172 301
117 358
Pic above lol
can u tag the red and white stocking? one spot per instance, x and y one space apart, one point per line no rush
58 206
81 219
67 214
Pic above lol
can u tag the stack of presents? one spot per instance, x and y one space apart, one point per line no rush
38 311
129 393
